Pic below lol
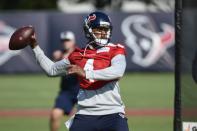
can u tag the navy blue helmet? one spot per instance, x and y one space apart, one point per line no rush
96 20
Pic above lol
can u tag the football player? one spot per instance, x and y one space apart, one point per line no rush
69 87
99 66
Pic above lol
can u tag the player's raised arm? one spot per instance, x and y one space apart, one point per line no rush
51 68
25 36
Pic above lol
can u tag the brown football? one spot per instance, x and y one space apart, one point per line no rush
21 38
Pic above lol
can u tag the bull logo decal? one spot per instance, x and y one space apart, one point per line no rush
147 43
5 34
91 17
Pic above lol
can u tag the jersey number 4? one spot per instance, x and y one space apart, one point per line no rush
89 66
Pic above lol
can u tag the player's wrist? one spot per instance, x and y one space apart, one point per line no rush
37 50
33 45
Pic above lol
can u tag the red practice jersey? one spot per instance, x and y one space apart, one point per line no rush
95 59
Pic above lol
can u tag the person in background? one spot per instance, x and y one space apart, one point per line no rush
67 96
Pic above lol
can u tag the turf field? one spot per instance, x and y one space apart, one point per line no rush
26 99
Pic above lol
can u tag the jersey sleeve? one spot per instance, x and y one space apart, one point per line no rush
118 49
51 68
115 71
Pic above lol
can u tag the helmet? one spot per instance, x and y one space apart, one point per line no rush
95 20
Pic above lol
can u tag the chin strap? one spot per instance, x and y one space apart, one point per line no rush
84 53
93 45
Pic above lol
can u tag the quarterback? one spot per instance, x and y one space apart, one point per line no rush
98 66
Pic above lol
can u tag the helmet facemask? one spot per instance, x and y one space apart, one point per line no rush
101 35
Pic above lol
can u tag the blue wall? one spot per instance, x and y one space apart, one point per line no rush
148 38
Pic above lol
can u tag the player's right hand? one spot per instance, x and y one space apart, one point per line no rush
33 42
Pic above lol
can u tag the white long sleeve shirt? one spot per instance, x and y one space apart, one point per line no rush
105 100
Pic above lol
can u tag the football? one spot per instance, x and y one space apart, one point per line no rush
21 38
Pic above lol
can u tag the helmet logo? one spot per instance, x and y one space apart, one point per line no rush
91 17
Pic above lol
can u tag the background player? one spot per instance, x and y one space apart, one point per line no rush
69 87
99 67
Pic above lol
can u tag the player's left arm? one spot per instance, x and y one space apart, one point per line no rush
115 71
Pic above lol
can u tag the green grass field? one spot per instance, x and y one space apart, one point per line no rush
139 91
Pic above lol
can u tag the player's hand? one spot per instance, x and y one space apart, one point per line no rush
33 41
75 69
